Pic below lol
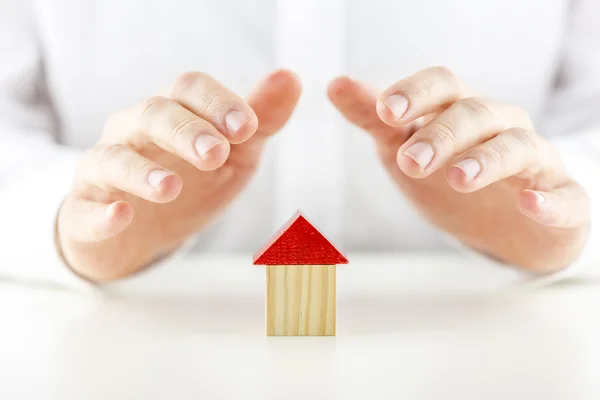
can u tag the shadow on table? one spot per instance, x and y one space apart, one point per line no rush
356 315
471 347
376 316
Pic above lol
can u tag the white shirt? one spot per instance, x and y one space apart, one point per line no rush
67 65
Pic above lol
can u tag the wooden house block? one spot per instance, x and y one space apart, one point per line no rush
301 280
301 300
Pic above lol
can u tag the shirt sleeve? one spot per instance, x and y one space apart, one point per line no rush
572 123
35 171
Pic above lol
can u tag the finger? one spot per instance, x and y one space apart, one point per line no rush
427 91
172 127
511 152
89 221
357 103
273 100
210 100
565 207
120 167
463 125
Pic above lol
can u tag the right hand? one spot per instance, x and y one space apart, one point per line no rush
164 169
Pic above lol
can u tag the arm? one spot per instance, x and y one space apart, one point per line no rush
483 173
572 121
119 207
35 172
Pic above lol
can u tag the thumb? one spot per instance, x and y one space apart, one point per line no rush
273 100
357 102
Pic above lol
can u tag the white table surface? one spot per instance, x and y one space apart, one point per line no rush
409 327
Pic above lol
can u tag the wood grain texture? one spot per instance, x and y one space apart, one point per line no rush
301 300
298 242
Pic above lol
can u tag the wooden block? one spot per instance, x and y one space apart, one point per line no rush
298 242
301 300
301 289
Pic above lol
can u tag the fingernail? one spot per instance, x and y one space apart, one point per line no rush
235 120
397 104
539 198
470 167
421 153
156 177
205 143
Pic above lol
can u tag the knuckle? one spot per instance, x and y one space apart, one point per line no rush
184 128
478 106
495 154
423 84
443 133
188 81
213 102
444 72
153 106
526 138
107 154
133 171
420 89
96 160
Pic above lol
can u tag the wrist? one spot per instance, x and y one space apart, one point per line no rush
538 252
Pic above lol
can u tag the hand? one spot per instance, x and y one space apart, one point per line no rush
165 168
474 167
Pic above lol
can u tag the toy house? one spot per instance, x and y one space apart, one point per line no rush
301 280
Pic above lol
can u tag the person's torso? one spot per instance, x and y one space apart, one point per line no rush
104 55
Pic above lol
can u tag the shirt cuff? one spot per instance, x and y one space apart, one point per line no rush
28 206
28 209
580 153
582 268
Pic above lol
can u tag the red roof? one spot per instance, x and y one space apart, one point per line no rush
298 242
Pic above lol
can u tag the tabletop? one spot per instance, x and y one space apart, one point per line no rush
441 329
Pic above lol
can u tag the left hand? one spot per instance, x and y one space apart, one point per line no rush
475 167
